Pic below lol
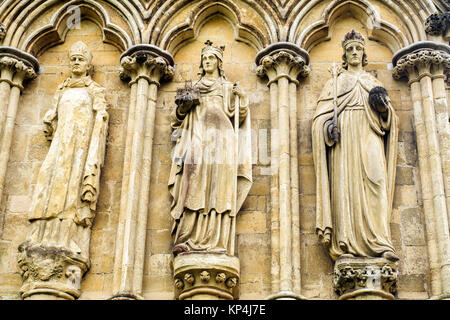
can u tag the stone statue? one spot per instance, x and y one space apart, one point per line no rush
354 134
208 163
68 184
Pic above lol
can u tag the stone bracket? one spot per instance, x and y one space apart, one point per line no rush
51 270
215 275
365 276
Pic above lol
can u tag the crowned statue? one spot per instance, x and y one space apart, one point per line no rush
211 171
68 184
354 132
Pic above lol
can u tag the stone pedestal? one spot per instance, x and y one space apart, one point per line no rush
50 272
285 295
365 278
206 276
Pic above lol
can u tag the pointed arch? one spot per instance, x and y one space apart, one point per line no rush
411 16
21 16
378 29
170 37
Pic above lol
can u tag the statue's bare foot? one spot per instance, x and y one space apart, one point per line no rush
389 255
347 255
179 248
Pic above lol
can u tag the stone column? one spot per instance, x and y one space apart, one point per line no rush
424 64
144 66
283 63
15 67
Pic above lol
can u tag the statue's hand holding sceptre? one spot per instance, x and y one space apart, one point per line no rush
333 131
237 90
243 105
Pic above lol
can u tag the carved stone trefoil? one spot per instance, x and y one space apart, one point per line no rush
365 278
200 275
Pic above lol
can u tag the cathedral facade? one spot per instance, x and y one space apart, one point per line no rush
234 149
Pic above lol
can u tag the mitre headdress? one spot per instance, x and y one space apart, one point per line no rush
80 48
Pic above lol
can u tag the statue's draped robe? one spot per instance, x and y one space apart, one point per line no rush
203 174
356 176
77 126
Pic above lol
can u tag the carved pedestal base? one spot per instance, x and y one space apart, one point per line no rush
50 273
206 276
126 296
365 278
286 295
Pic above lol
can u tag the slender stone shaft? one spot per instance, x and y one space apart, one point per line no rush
424 165
145 187
145 66
275 217
442 117
423 63
295 205
15 67
282 63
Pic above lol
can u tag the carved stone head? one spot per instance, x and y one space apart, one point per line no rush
352 43
80 59
211 57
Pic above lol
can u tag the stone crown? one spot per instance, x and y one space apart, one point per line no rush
218 51
352 36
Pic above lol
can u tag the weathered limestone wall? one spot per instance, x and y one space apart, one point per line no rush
29 148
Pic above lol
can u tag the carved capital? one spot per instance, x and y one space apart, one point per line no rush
421 59
437 23
283 60
210 274
17 66
148 62
375 277
50 270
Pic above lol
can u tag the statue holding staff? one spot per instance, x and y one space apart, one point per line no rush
209 178
355 169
